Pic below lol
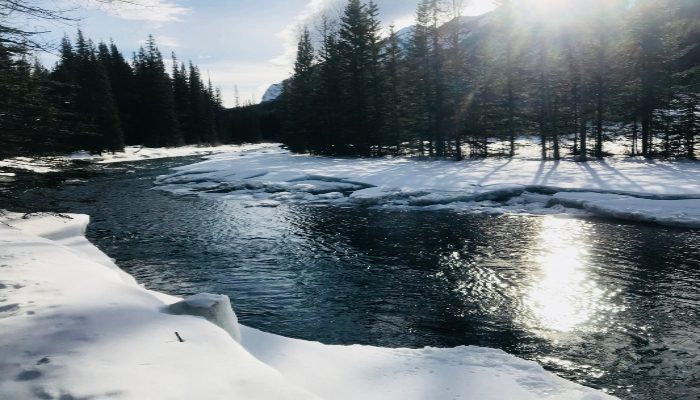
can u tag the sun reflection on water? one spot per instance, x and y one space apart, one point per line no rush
563 297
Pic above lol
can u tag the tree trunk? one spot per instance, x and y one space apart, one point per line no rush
635 137
690 133
646 135
583 135
599 123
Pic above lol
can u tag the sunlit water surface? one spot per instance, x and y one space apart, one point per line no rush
613 306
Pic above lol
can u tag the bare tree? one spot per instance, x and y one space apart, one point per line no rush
16 16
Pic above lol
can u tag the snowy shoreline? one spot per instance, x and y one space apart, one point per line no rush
44 165
658 192
74 325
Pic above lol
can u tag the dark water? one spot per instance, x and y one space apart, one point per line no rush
613 306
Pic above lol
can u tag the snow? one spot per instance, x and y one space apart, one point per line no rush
633 189
131 153
40 166
370 373
73 327
215 308
137 153
681 213
272 92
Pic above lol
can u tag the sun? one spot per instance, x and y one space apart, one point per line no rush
552 8
478 7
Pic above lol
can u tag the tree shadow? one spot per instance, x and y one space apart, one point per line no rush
494 172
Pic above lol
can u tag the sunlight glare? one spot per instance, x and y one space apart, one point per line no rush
478 7
564 296
551 6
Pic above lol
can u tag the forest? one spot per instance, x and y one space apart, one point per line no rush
571 74
93 99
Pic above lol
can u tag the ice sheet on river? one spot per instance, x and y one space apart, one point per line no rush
75 326
632 189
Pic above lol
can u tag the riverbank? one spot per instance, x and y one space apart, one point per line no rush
58 163
75 325
662 192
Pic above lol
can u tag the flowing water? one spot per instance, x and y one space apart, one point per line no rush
610 305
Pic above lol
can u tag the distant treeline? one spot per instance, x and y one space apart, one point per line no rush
94 99
575 73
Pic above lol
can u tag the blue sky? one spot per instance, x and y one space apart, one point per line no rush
247 44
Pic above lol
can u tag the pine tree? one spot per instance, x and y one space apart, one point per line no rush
181 98
429 76
155 122
101 126
375 84
688 77
328 97
455 76
419 74
358 38
650 59
301 91
30 121
507 60
209 113
121 80
395 92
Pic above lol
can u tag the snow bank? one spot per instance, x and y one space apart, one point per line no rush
131 153
680 212
138 153
215 308
642 190
38 165
72 327
370 373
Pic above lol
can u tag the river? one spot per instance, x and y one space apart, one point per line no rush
610 305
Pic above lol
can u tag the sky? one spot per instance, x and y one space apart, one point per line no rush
243 44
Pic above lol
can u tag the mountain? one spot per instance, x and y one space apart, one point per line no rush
272 93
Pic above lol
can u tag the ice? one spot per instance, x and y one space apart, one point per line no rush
679 213
633 189
214 308
74 328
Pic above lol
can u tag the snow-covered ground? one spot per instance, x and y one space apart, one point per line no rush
75 326
130 153
624 188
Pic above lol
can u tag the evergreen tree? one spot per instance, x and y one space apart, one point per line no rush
395 93
419 74
455 76
358 37
650 58
30 123
121 78
155 121
510 63
209 114
688 77
89 95
181 97
329 139
375 84
301 91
